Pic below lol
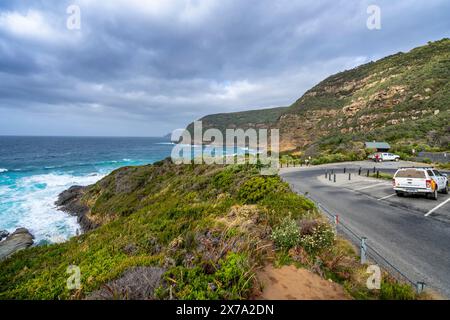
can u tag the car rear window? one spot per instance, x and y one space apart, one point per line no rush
410 173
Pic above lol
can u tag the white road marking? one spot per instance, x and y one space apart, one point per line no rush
391 195
372 186
437 207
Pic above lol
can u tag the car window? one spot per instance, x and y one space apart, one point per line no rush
430 173
437 173
410 173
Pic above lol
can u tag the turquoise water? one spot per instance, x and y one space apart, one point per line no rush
34 170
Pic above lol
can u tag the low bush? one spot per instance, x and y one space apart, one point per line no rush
392 290
287 234
257 188
316 236
231 280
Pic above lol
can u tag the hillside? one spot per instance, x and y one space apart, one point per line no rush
403 99
189 232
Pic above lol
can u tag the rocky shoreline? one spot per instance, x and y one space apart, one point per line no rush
69 201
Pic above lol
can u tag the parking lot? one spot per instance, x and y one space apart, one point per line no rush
381 190
412 233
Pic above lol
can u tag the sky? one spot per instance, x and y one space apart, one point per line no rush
145 68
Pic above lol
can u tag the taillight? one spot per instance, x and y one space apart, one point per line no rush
429 184
393 182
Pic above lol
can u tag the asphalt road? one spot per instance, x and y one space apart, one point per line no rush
398 228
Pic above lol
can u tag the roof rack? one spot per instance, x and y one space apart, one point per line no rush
413 167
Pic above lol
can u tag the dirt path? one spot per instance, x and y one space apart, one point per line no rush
290 283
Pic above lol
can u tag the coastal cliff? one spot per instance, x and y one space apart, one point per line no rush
402 99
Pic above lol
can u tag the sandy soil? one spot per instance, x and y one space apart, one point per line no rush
290 283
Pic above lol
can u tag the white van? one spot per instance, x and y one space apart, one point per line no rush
414 180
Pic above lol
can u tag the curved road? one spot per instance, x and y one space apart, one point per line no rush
416 245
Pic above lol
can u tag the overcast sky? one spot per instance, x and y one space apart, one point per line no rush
144 68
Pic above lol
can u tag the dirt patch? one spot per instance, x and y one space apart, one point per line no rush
291 283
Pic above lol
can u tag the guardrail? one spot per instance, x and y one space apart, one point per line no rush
362 242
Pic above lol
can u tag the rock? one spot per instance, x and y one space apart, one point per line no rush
3 234
18 240
70 201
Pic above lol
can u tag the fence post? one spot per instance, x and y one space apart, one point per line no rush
374 169
345 170
420 286
334 177
349 176
336 223
378 173
326 174
368 172
359 171
363 250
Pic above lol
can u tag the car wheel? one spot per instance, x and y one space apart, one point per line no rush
397 159
399 194
434 195
445 190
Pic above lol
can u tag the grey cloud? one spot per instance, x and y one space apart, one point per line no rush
153 70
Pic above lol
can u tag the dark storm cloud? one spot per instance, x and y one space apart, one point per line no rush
146 67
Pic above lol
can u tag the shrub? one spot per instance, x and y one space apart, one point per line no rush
287 235
392 290
316 236
232 280
257 188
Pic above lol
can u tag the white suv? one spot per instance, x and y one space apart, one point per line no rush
420 181
384 156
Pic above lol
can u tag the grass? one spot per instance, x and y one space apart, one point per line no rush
208 226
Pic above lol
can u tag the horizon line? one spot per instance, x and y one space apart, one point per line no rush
75 136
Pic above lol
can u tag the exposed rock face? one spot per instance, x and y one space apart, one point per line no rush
70 201
378 95
18 240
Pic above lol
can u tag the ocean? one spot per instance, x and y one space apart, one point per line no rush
34 170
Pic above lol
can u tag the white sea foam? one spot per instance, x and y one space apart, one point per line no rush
3 170
31 205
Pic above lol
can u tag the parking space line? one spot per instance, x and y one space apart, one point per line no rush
372 186
391 195
437 207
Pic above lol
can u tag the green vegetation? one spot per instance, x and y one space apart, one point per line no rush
208 227
287 234
316 236
402 99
